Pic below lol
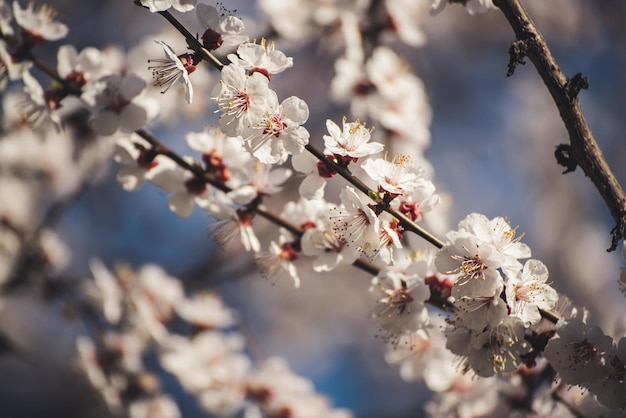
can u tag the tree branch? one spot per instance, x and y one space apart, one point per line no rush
584 148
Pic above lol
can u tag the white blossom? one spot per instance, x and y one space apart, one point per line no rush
40 23
211 366
313 185
138 160
9 67
232 222
396 177
356 223
260 179
35 108
6 17
173 68
224 31
472 6
400 302
527 293
160 5
475 262
118 105
242 99
578 352
261 57
611 388
278 133
277 389
278 262
351 141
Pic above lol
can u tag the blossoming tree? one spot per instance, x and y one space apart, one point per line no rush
300 192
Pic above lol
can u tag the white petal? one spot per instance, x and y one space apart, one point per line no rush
312 187
181 203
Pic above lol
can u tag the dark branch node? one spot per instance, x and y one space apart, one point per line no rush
617 233
575 85
564 157
517 52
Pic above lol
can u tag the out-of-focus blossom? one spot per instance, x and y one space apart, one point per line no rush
6 17
39 23
118 104
224 157
36 109
211 366
154 407
405 16
468 398
579 352
9 67
472 6
138 159
278 262
206 310
155 297
160 5
383 88
186 188
110 293
610 390
84 67
54 251
231 222
278 391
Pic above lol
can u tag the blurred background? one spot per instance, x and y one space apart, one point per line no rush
493 140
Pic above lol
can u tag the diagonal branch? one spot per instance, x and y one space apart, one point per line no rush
583 149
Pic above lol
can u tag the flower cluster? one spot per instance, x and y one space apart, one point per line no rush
142 310
583 355
498 299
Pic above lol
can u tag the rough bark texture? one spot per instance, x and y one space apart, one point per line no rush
583 149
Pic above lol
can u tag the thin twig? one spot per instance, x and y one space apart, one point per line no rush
584 148
406 223
362 264
192 41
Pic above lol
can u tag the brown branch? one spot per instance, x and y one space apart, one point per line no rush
362 264
406 223
584 150
162 149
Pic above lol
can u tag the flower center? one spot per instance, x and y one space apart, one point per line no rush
584 352
471 266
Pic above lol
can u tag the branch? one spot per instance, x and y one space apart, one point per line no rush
584 150
364 265
408 224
